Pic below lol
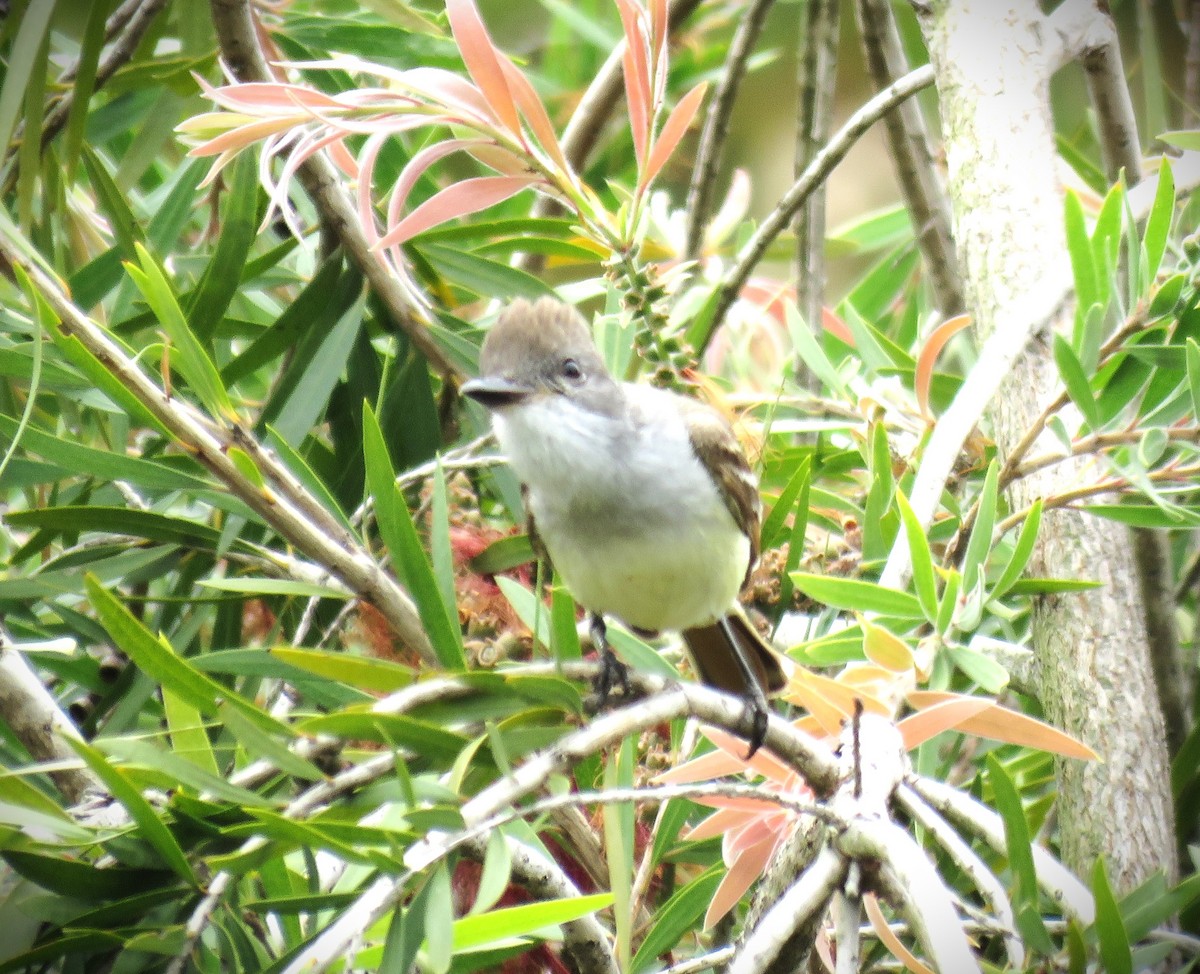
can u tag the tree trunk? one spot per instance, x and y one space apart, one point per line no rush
993 62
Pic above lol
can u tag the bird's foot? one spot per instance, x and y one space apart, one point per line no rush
613 672
754 718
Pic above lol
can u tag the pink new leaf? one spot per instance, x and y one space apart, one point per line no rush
461 199
929 354
676 125
482 59
741 876
531 106
637 78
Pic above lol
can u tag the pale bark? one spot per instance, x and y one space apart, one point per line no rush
993 62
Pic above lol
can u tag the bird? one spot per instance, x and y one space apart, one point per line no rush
642 499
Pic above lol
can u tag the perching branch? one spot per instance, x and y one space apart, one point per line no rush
825 162
716 124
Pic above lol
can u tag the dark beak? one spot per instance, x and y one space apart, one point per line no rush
495 391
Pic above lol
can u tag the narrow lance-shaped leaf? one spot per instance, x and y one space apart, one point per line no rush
190 358
923 377
404 544
637 79
1193 374
150 827
672 131
1110 927
534 110
461 199
158 661
482 59
980 544
924 579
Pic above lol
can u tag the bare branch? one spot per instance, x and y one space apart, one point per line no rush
825 162
912 155
1088 33
716 124
818 73
41 726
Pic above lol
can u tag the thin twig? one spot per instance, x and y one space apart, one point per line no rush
716 124
814 175
912 154
137 23
818 72
1087 33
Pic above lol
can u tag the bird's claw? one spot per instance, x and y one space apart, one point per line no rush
755 720
613 673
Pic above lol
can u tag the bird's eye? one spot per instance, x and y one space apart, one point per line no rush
571 370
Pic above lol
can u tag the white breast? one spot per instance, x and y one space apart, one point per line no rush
631 519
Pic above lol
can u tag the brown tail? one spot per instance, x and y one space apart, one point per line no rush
725 651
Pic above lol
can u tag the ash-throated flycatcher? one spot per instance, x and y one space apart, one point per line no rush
642 498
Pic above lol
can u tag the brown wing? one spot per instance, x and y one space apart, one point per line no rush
718 449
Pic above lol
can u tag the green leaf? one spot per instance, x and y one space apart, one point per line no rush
1186 139
190 358
496 873
1193 373
439 935
362 672
239 227
809 349
980 544
1115 954
127 230
857 595
143 814
441 555
1146 515
1051 586
1158 223
256 743
1078 388
1080 250
274 586
157 660
619 830
949 602
982 669
22 62
924 579
151 525
774 524
103 464
1022 551
481 276
503 554
675 918
1018 843
404 544
79 880
189 737
528 920
565 633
